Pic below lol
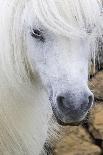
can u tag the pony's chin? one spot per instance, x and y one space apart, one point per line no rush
62 123
67 122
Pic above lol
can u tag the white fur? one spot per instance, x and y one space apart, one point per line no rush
27 67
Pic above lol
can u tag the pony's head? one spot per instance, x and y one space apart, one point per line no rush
59 38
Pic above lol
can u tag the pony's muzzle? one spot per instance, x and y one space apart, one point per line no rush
73 108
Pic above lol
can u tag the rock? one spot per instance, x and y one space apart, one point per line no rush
96 126
77 144
96 85
98 118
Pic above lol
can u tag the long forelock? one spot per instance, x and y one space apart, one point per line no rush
73 18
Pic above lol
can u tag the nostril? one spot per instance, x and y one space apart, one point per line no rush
60 101
90 98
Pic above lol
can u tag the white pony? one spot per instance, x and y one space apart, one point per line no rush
45 50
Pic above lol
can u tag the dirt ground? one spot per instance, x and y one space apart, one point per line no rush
87 139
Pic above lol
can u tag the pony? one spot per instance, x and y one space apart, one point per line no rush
46 48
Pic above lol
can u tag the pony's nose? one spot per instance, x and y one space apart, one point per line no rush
73 105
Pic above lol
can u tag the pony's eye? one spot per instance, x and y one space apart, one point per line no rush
37 34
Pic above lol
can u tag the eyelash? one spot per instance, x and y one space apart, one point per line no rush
37 34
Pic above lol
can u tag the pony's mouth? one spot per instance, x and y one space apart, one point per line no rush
67 122
60 122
